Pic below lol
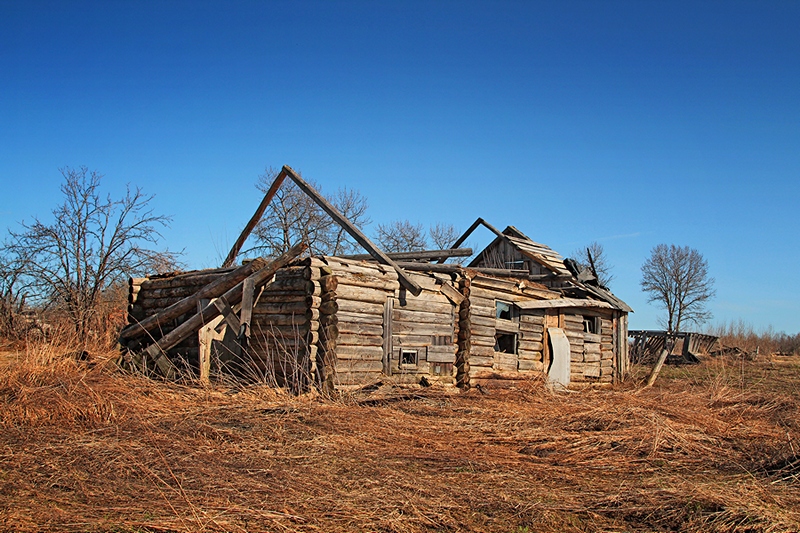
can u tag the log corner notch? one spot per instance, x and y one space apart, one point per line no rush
337 217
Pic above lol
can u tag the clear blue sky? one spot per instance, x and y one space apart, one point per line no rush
631 123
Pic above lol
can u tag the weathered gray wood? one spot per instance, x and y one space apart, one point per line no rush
227 313
186 305
451 293
354 232
237 246
209 312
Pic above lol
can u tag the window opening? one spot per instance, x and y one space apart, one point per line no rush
591 324
505 343
408 358
507 311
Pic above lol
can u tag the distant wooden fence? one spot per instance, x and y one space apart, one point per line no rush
646 345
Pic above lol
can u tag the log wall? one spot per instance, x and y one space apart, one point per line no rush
592 358
485 361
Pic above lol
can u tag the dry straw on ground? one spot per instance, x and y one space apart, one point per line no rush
709 448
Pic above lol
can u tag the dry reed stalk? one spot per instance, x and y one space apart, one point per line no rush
86 449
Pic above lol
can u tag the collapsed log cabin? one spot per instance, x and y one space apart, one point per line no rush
517 310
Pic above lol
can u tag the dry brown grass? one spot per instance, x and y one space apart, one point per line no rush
709 448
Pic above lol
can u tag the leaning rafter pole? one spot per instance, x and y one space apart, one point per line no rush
478 222
237 246
354 232
157 351
212 290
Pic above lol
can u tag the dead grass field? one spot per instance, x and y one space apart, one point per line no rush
709 448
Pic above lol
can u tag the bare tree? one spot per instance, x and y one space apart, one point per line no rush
677 279
293 216
443 235
401 236
353 206
594 258
91 244
13 293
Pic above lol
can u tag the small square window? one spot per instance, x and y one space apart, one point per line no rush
505 343
591 324
507 310
408 358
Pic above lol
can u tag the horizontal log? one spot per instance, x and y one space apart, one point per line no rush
531 346
363 353
476 311
476 361
401 328
482 331
414 317
527 365
359 318
365 308
482 351
411 341
359 329
430 306
293 283
267 308
264 320
338 264
528 318
358 339
361 294
421 255
478 340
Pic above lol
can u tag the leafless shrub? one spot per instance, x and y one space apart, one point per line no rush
70 263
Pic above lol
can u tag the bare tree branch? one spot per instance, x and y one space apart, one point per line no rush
401 236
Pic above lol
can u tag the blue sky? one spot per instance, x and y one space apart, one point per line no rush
629 123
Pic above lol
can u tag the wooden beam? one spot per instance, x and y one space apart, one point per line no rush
157 350
212 290
450 292
237 246
423 255
354 232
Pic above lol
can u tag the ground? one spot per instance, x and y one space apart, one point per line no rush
712 447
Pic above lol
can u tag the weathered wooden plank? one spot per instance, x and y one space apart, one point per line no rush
532 346
482 351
